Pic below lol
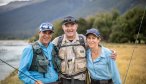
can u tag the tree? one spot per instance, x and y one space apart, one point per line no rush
83 25
134 18
57 28
104 23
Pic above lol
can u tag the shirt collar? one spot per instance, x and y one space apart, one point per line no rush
65 40
102 52
42 44
102 55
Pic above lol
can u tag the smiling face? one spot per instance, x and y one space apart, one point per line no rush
70 30
92 40
45 37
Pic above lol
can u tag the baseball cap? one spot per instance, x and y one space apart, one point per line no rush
93 31
69 19
46 26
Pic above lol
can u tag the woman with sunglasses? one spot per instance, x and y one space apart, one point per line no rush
101 67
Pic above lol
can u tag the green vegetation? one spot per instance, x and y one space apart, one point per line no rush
114 27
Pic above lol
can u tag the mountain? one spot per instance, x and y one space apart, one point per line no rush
21 19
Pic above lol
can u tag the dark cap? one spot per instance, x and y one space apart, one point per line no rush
46 26
93 31
69 19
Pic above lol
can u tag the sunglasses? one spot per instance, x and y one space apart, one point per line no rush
69 19
46 26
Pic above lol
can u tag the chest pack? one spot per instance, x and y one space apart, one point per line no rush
39 62
70 59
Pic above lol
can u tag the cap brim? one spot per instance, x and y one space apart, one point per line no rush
69 22
47 30
93 34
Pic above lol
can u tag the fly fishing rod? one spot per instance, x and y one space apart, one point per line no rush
18 70
135 46
25 74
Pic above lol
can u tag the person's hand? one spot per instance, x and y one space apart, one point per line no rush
113 55
38 82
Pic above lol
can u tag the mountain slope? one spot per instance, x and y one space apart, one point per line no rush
22 22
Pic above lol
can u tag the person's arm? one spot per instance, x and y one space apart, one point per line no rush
114 71
24 66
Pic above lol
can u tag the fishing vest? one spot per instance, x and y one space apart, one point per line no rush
72 58
40 62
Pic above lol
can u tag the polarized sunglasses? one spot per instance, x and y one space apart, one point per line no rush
69 19
46 26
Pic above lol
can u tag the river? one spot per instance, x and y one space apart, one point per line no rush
10 52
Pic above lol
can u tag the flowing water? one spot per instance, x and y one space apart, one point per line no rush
10 52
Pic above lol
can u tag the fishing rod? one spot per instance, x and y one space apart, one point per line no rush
26 74
135 46
18 70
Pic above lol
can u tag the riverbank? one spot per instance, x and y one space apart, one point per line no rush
10 52
11 79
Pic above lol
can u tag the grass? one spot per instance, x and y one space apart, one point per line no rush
136 73
11 79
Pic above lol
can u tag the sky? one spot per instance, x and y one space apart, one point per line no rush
5 2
